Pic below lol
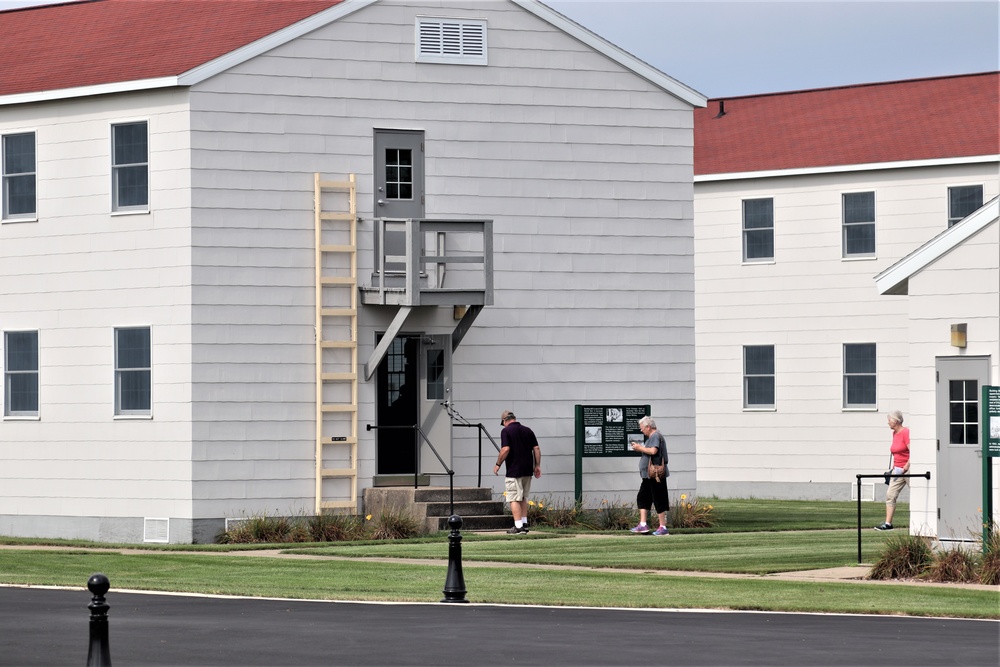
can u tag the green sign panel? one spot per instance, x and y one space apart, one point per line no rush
607 430
991 417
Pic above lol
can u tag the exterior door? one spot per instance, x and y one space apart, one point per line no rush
435 390
959 452
399 185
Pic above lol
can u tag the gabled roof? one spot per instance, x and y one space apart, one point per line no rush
900 121
103 46
895 279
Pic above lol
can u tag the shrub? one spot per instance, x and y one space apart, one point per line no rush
952 565
392 523
904 556
259 528
335 527
989 567
613 515
690 513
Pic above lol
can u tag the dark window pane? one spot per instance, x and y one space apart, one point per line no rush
972 434
859 358
135 390
20 194
972 412
133 186
435 374
972 390
955 390
956 412
859 207
861 390
130 144
22 392
963 201
392 174
760 244
760 391
957 434
859 239
19 154
758 213
22 351
133 348
405 157
759 360
405 191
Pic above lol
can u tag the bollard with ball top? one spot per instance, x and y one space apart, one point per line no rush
99 654
454 584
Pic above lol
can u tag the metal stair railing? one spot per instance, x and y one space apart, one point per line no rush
458 420
416 457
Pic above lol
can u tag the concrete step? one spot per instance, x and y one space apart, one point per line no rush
439 494
472 508
473 522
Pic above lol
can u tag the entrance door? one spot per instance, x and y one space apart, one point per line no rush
399 186
959 455
413 382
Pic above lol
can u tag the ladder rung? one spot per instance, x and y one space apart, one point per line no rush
340 376
338 344
348 440
339 407
333 247
339 312
337 505
339 280
326 215
336 185
338 472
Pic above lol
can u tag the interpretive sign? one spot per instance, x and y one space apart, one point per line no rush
991 416
607 430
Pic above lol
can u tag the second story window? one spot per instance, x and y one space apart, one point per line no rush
758 230
859 224
20 386
963 201
18 176
859 375
133 372
130 167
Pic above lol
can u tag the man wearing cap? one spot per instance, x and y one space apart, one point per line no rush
519 450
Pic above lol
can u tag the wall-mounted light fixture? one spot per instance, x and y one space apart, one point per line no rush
959 335
458 312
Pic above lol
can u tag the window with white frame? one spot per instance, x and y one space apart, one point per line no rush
18 166
963 200
130 167
20 374
133 371
859 375
758 376
859 224
758 230
451 41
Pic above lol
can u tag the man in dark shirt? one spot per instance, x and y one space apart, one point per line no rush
519 449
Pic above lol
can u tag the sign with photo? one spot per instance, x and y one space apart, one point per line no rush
607 430
991 424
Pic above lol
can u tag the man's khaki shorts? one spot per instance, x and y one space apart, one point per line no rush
517 488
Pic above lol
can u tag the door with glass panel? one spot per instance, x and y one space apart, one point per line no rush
399 187
959 451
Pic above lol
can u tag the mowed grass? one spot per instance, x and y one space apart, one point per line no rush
395 581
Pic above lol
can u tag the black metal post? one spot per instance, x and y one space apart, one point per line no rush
479 479
859 519
99 654
454 584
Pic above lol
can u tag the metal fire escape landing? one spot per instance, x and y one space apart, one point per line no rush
336 344
443 263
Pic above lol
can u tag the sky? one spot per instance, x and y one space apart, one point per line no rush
745 47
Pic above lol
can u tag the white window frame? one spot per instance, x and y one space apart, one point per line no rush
845 225
8 176
744 231
952 219
849 374
116 207
121 372
9 375
748 377
450 41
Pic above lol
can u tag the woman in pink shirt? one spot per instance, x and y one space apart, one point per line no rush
900 465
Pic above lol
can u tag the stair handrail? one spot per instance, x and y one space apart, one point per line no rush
458 420
416 458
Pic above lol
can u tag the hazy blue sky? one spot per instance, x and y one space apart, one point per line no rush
723 49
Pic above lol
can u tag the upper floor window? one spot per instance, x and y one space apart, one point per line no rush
133 371
758 229
20 373
758 376
859 224
859 375
130 167
963 201
18 176
452 41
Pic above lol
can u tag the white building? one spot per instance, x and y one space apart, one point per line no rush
801 198
180 343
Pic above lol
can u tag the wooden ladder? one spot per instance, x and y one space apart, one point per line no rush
336 344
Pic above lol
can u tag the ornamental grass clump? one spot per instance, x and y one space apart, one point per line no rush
955 565
393 523
613 515
904 556
989 567
335 527
554 514
690 513
260 528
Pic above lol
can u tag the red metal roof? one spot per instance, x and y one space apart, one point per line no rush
111 41
919 119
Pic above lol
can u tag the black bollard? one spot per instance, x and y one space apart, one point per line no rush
454 584
99 654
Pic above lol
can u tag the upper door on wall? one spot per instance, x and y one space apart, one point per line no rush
399 185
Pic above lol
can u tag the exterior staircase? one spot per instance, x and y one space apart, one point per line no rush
432 506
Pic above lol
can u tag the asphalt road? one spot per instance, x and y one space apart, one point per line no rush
50 627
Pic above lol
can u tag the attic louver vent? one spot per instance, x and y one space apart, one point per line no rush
454 41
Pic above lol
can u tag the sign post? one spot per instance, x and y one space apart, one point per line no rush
989 409
605 430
